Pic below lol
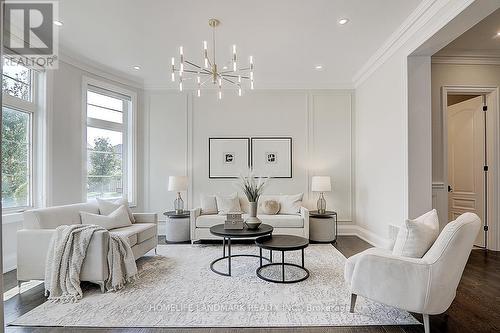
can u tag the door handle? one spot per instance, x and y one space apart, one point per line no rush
450 189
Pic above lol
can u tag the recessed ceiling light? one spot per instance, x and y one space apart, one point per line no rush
343 20
58 23
498 34
318 67
136 68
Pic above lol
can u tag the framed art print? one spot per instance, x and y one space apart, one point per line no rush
272 157
228 157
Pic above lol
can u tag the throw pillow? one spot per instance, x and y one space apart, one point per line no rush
290 204
106 207
416 236
208 204
269 207
227 204
117 219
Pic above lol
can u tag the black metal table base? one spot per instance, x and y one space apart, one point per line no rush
230 256
283 264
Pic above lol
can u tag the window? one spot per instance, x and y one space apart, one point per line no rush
109 144
17 136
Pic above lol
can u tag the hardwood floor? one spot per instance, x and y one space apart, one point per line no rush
476 307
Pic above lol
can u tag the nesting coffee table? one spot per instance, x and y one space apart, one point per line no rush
282 243
228 234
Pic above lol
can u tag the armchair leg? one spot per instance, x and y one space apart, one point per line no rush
156 252
102 285
353 302
427 325
19 283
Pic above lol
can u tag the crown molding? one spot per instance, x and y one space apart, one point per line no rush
97 69
466 60
417 18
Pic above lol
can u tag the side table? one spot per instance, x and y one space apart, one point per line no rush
323 227
177 226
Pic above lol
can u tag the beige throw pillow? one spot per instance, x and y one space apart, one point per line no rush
415 237
269 207
290 204
227 204
117 219
208 205
106 207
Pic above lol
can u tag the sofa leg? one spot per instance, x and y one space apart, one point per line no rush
156 252
427 325
353 302
19 283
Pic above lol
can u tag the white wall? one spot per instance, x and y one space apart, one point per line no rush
382 117
319 123
64 161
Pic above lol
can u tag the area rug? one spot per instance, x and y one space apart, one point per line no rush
176 288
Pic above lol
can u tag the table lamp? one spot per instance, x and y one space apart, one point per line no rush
178 184
321 184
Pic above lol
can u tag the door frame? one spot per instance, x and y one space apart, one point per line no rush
493 211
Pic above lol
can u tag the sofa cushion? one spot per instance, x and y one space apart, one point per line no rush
289 204
106 207
269 207
208 204
118 218
52 217
229 203
142 231
127 232
276 221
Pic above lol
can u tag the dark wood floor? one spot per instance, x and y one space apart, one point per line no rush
476 307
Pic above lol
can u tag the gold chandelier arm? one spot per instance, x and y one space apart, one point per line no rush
236 76
226 79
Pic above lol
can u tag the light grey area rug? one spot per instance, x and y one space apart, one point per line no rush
178 289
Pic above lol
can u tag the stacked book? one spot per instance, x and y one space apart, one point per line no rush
234 221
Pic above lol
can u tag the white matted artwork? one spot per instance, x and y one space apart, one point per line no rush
272 157
228 157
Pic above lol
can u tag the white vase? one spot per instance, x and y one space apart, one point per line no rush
253 221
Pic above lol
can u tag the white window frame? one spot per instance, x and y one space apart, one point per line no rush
35 110
130 136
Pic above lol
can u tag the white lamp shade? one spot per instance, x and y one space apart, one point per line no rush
177 183
321 184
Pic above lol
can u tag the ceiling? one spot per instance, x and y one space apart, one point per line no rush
480 40
287 38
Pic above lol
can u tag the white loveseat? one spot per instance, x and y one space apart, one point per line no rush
287 224
39 225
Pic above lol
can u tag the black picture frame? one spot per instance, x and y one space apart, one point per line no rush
273 138
210 176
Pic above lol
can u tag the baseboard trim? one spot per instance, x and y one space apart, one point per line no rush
365 234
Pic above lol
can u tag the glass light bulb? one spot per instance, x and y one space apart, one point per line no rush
251 60
173 77
199 92
220 94
251 85
181 50
173 61
239 78
180 86
198 80
239 91
251 75
205 45
234 66
234 49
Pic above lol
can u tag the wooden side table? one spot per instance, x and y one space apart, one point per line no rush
323 227
177 226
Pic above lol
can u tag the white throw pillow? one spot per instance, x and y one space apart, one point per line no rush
290 204
117 219
208 204
415 237
229 203
106 207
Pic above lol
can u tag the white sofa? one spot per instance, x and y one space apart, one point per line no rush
286 224
39 225
424 285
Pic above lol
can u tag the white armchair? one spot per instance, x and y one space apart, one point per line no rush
425 285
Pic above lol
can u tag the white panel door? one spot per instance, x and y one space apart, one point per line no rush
466 160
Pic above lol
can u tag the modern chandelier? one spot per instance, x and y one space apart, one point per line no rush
210 72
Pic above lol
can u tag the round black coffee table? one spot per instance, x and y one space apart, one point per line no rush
227 234
282 243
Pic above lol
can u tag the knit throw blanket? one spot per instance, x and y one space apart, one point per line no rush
67 251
